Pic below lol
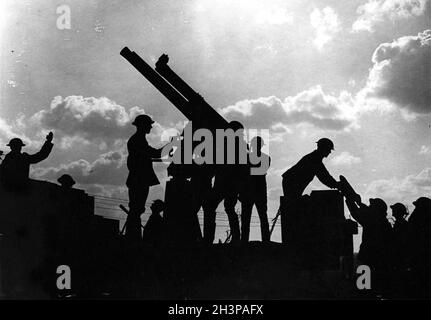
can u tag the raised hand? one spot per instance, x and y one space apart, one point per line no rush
49 136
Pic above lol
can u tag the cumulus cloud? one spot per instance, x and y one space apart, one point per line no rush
425 150
92 119
376 11
15 129
402 190
326 24
108 169
401 73
5 131
311 106
345 159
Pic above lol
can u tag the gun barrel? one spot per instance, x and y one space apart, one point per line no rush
158 81
204 113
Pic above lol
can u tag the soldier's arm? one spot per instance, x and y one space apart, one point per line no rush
43 152
154 153
324 177
135 147
358 212
354 210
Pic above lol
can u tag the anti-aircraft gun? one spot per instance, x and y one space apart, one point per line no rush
179 195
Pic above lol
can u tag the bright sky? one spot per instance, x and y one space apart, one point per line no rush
358 72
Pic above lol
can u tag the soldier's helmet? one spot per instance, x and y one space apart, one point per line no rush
257 141
235 125
16 142
325 143
66 181
379 204
142 120
423 202
158 205
399 210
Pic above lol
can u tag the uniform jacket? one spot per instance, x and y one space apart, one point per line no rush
302 173
15 167
141 172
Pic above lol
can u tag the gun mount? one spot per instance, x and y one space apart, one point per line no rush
181 214
190 103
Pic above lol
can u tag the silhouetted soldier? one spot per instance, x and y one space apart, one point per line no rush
419 248
154 228
376 232
66 181
399 236
141 174
15 167
256 194
298 177
201 188
228 183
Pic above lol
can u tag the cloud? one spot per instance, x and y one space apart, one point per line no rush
274 16
376 11
311 106
251 11
108 169
401 73
14 129
402 190
92 119
76 120
6 131
345 159
425 150
326 24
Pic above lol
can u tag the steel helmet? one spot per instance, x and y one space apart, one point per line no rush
235 125
325 143
66 180
257 140
142 119
158 205
422 201
16 142
379 203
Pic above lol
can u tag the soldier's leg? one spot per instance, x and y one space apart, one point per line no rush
210 206
201 193
246 210
137 200
262 209
229 206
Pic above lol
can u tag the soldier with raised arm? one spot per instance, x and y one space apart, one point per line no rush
15 167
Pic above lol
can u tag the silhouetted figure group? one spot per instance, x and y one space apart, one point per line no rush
397 254
232 183
401 248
